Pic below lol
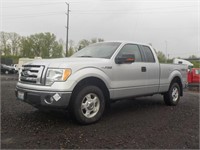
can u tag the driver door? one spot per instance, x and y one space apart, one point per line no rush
129 79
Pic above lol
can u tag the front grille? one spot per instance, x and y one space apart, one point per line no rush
31 74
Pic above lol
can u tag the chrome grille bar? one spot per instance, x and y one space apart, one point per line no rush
31 74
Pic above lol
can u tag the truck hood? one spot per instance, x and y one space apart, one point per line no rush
69 62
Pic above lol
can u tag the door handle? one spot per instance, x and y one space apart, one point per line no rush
144 69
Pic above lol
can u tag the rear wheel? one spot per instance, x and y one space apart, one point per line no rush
172 97
88 104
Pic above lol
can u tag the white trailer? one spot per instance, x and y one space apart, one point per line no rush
22 61
182 61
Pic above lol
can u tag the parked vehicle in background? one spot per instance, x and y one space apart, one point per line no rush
98 74
184 62
7 69
22 61
15 66
194 76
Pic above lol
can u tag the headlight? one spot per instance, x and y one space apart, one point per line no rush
54 75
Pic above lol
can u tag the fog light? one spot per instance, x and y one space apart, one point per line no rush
48 100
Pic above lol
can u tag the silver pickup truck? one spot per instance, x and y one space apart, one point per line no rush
97 75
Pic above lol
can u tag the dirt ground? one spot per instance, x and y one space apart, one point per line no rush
135 124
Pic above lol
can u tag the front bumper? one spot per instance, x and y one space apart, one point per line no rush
50 99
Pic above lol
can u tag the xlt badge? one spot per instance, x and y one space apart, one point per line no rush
107 67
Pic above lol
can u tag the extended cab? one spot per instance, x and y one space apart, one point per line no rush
96 75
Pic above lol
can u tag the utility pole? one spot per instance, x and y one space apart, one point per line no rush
166 52
67 27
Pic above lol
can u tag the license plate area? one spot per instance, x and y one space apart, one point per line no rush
20 95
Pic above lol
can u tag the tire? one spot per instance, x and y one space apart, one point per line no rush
6 72
172 97
88 104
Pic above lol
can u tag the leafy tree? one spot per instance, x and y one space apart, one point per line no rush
100 40
192 57
95 40
9 43
15 43
42 45
37 41
196 63
83 43
70 51
5 46
57 50
71 48
161 57
49 45
26 46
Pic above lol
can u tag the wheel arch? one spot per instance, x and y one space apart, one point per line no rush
92 81
177 79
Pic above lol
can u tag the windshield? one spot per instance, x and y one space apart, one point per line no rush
98 50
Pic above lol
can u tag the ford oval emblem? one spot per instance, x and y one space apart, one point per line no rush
25 73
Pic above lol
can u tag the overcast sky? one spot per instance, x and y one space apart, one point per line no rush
171 23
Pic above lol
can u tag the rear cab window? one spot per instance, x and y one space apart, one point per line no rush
148 54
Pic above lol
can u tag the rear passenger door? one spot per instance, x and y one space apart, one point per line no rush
152 69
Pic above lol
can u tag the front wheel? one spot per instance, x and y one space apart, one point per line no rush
172 97
88 104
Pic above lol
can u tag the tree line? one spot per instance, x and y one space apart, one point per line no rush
43 45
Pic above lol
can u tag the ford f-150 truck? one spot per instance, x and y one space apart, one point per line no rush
97 75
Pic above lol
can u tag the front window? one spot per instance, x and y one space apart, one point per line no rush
131 49
98 50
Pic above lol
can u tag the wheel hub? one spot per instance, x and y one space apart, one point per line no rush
175 94
90 105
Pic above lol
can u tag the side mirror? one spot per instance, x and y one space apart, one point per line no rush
125 58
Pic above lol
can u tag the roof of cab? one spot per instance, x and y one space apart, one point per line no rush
126 42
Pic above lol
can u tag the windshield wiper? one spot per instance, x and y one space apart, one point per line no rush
84 56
